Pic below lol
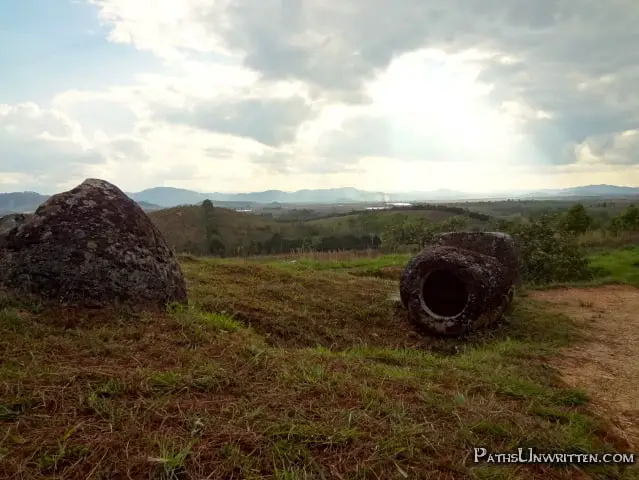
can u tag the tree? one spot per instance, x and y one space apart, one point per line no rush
216 246
547 254
576 220
209 227
453 224
627 221
417 231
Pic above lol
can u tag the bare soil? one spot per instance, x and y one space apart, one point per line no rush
606 363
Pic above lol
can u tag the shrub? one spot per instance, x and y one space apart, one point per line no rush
627 221
418 232
576 220
549 254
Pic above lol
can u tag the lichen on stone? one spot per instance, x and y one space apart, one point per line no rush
462 282
91 246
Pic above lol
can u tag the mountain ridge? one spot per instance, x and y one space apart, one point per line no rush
161 195
28 202
155 198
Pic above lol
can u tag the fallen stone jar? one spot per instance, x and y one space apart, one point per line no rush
451 291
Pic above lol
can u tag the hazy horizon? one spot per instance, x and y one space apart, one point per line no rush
237 192
262 95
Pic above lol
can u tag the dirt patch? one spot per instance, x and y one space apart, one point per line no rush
606 364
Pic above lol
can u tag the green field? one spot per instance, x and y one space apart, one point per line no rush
620 265
378 220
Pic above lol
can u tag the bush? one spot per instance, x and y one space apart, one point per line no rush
627 221
577 220
418 232
549 254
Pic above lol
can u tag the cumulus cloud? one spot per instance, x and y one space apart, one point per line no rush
616 149
571 59
268 121
43 143
289 90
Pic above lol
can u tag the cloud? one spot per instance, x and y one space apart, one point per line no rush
615 150
43 143
268 121
570 59
315 91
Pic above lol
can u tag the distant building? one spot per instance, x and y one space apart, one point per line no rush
389 205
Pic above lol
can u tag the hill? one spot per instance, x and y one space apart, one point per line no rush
28 202
604 191
226 232
185 228
22 202
238 233
168 196
376 221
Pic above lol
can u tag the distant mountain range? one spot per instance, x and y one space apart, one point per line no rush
28 202
163 197
168 196
586 191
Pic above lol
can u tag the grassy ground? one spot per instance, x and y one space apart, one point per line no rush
284 371
603 240
378 220
382 266
621 265
611 265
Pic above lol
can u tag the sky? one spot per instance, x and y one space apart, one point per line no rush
252 95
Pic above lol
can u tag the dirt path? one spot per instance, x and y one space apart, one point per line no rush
606 365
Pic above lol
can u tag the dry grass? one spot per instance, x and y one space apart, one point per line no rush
184 230
294 308
309 254
326 383
596 239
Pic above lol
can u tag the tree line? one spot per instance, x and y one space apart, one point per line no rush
370 230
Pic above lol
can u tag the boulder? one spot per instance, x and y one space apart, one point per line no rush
91 247
451 291
11 221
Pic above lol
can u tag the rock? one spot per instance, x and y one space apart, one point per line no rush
92 247
11 221
495 244
452 291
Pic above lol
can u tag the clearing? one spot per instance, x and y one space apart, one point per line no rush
605 363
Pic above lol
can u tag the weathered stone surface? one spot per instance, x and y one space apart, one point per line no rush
451 291
91 246
495 244
12 220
